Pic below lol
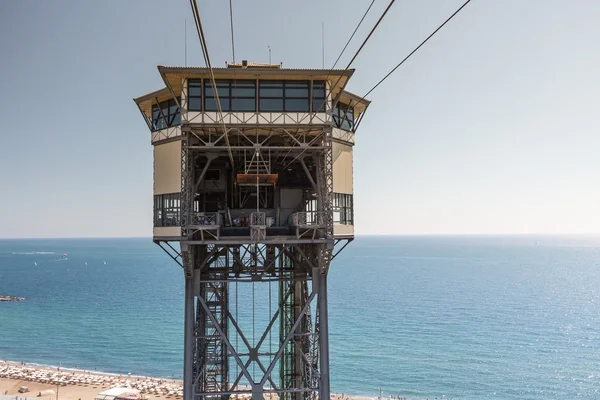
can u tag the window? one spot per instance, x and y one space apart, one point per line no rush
273 96
318 96
234 96
165 114
343 209
270 96
166 210
288 96
296 96
194 95
343 116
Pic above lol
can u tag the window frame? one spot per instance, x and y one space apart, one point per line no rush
167 210
286 85
343 116
167 118
190 96
321 100
227 100
343 204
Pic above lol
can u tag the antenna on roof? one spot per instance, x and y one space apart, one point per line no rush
323 42
269 54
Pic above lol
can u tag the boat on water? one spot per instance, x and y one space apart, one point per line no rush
11 298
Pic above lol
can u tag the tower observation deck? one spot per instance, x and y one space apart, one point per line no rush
253 186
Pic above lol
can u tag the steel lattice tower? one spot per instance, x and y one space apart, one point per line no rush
256 193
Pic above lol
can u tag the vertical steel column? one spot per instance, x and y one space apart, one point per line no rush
188 338
324 385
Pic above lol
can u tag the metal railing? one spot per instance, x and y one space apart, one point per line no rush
307 218
205 219
258 218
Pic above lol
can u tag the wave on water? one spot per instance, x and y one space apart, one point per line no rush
28 253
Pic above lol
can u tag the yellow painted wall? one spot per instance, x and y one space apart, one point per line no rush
343 230
167 168
167 231
342 168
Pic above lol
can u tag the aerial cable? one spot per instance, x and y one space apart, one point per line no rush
204 47
351 36
413 52
360 48
335 63
343 50
347 67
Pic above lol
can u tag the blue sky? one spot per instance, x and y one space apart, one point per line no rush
492 127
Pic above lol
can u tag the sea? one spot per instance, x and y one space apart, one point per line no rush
424 317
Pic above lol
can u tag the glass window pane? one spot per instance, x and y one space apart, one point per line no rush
346 124
336 120
318 90
350 113
243 92
299 84
318 105
296 92
195 91
336 216
194 83
271 89
296 105
223 91
243 105
176 119
195 104
210 104
271 92
271 104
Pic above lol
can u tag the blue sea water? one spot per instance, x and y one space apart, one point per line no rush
507 317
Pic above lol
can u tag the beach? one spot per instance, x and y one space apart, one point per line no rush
66 384
76 385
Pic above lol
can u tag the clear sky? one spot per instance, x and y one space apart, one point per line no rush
492 127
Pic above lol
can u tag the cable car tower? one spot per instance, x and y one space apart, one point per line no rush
253 198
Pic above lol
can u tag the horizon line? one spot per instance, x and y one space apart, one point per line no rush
359 235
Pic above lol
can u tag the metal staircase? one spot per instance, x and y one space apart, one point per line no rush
213 365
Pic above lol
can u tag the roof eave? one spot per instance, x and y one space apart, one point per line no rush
256 71
151 95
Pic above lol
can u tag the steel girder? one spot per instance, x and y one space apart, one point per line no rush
299 367
296 359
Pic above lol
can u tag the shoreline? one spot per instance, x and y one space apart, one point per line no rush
78 384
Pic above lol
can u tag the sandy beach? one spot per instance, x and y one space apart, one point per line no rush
79 385
83 385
